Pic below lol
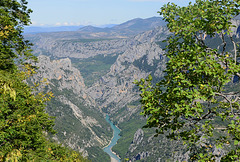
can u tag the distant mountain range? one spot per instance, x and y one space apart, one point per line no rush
37 29
135 25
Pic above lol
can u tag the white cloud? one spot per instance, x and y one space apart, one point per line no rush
68 24
65 23
58 24
34 23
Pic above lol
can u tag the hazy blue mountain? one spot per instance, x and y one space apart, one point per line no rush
93 29
131 27
110 31
107 25
36 29
141 24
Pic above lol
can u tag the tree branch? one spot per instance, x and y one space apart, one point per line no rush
224 96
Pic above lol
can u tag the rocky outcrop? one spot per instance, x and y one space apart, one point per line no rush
140 156
75 49
62 72
144 57
236 23
117 87
78 123
146 147
87 122
155 35
137 139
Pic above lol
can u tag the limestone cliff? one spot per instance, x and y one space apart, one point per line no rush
78 123
61 70
117 88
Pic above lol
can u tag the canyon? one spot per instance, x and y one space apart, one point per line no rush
91 74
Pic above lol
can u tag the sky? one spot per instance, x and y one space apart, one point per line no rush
93 12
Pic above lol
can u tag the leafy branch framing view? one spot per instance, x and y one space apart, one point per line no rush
24 124
193 102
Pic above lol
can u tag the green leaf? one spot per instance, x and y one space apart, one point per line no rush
236 142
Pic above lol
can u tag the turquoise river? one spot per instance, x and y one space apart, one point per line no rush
115 138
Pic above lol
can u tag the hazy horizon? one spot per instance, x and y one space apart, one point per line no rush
100 26
50 13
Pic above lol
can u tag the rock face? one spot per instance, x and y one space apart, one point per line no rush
61 70
117 88
78 123
146 147
75 49
137 139
236 22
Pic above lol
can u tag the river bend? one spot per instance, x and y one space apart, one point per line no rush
108 149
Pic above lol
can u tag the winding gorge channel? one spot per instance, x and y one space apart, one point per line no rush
108 149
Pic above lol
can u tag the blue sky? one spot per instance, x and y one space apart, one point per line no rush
93 12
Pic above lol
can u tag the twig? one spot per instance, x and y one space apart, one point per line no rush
219 94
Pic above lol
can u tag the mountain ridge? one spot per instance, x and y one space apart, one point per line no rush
131 27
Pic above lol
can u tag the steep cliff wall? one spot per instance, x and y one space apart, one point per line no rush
79 124
117 88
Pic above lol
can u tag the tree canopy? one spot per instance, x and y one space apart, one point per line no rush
24 124
195 102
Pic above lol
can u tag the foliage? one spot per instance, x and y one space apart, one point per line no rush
14 15
192 95
24 124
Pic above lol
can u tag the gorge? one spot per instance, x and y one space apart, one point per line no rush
91 73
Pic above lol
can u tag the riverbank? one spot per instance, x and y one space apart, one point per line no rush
115 154
109 142
113 160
